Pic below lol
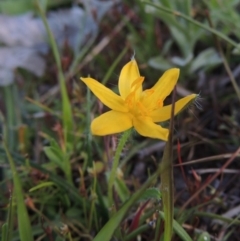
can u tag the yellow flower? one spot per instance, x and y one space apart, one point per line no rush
135 107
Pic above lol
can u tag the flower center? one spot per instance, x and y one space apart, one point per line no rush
142 103
135 106
133 100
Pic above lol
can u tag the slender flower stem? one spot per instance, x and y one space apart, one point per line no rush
116 159
167 178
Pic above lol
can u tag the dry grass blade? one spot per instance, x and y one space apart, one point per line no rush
211 179
206 159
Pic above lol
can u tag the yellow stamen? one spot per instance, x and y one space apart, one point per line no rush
143 110
159 103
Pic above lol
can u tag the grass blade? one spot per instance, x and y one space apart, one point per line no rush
22 214
66 106
178 229
7 228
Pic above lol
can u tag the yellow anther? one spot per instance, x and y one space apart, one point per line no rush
159 103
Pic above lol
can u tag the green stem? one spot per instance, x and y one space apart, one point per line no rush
89 136
116 159
93 197
167 178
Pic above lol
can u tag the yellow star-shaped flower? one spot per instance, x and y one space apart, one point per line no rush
135 107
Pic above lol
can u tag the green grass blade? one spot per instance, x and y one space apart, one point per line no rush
7 228
66 105
42 185
22 214
67 116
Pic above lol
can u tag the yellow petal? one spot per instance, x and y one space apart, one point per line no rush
145 127
107 96
111 122
128 75
164 113
162 88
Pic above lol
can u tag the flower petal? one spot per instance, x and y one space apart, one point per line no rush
164 113
145 127
162 88
166 83
128 75
107 96
111 122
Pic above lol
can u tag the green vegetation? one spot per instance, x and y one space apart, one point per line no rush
60 182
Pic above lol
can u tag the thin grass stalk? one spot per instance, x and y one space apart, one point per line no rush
42 106
218 217
7 228
89 136
93 197
74 66
113 66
